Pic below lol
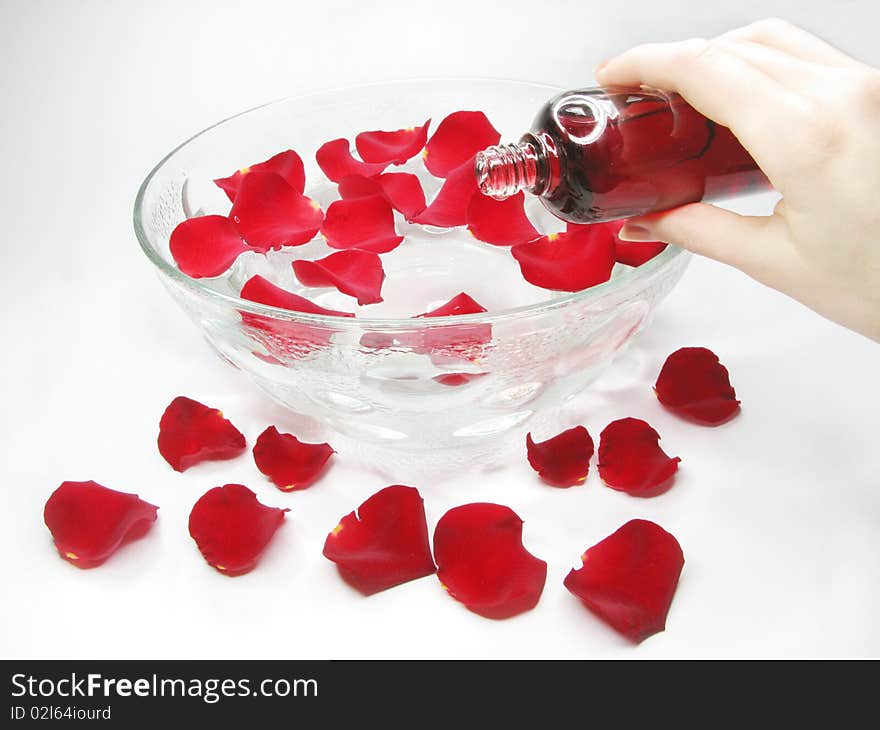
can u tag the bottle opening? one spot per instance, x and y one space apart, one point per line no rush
504 170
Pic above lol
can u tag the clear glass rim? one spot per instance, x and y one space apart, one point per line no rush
174 274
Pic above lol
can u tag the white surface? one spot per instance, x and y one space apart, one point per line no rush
778 512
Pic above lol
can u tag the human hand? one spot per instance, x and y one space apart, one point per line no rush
810 117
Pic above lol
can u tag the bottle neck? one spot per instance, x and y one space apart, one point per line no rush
530 164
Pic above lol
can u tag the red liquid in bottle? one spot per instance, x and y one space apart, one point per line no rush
602 154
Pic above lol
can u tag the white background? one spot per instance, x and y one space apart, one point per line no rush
778 512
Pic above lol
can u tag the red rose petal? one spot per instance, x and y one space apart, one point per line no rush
391 147
481 560
363 223
89 522
563 460
629 578
352 187
260 290
571 261
271 214
630 253
283 338
356 273
288 462
335 159
232 529
631 460
458 138
449 208
206 246
287 164
500 222
190 432
404 191
456 379
384 543
695 385
456 340
401 189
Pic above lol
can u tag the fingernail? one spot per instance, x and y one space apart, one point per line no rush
602 64
635 232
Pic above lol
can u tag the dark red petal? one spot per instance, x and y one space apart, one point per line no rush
271 214
500 222
563 460
232 529
404 191
288 462
260 290
630 253
384 543
89 522
281 338
629 578
631 460
481 560
335 159
287 164
458 138
356 273
206 246
570 261
695 385
394 147
456 379
456 340
363 223
190 432
449 208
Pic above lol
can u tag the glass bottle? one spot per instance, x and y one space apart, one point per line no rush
602 154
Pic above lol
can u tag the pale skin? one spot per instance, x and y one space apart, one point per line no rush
810 117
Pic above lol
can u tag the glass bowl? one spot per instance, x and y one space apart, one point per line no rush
444 389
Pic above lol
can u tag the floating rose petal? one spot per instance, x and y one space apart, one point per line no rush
571 261
481 560
629 578
282 338
384 543
260 290
449 208
356 273
695 385
500 222
89 522
206 246
631 460
190 432
363 223
288 462
271 214
404 191
401 189
456 379
287 164
457 139
335 159
352 187
232 529
563 460
391 147
630 253
456 340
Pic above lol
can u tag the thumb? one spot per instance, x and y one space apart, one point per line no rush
737 240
